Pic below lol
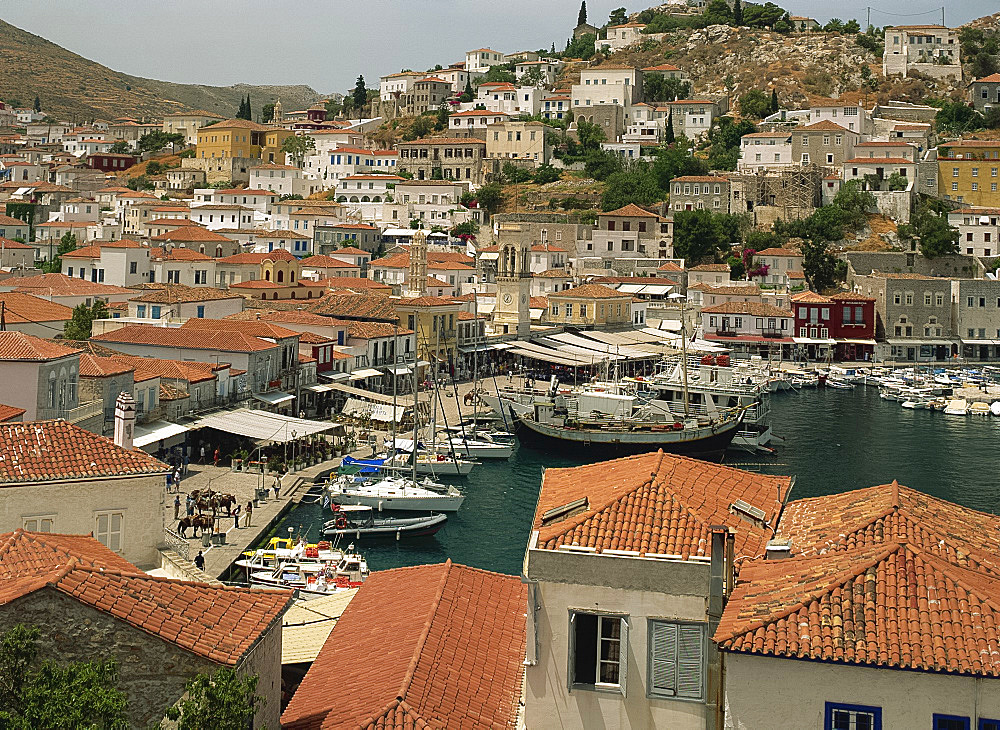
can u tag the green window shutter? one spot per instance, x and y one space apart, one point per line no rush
663 658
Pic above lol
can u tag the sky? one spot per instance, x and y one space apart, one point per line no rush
327 43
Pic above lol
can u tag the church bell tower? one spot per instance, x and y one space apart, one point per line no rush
512 314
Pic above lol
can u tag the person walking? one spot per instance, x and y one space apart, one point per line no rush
215 458
177 478
236 517
277 485
177 505
199 561
190 505
201 457
249 511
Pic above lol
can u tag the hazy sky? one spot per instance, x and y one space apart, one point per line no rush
327 43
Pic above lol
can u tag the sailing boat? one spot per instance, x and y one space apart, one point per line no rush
570 420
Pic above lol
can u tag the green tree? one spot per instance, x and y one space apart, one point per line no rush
66 244
589 135
153 167
637 184
119 148
991 120
763 16
224 700
267 113
852 26
421 127
618 16
499 74
140 182
511 173
957 118
49 695
546 174
582 17
360 94
582 47
468 94
668 133
854 202
490 197
818 264
79 327
675 161
441 118
717 12
158 139
297 147
755 104
737 13
835 25
37 106
601 164
897 182
244 112
774 99
937 238
333 108
657 87
700 235
725 139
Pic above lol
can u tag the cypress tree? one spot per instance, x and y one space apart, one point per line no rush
774 100
669 137
582 17
737 13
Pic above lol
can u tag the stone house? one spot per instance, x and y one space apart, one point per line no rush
619 618
823 143
592 306
978 230
714 274
518 141
933 50
700 192
782 266
72 480
33 315
976 307
91 603
765 149
427 94
984 93
444 158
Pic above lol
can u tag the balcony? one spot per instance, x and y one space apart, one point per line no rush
725 333
768 332
82 412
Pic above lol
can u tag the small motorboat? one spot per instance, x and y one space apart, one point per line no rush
313 570
979 409
995 408
358 521
396 493
838 384
957 407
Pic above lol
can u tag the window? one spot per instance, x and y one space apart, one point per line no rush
109 530
676 660
852 717
950 722
583 310
985 724
596 656
38 524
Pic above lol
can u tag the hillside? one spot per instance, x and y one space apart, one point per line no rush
77 88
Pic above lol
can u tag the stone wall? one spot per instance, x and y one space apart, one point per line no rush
862 263
151 671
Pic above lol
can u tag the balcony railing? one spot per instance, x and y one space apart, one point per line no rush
768 332
82 412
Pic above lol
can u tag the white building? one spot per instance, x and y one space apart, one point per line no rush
482 59
620 37
117 263
849 116
764 150
283 180
620 616
978 230
475 119
608 84
397 85
933 50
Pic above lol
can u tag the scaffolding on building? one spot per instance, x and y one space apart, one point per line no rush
790 193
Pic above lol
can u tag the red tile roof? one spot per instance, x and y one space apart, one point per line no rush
455 659
19 346
359 305
810 297
189 234
351 250
754 309
20 307
445 140
879 161
327 262
589 291
371 330
669 266
895 605
700 179
9 413
823 126
219 623
254 328
92 366
175 293
61 285
355 283
190 371
7 243
179 253
39 451
656 503
720 268
140 334
631 210
779 252
279 254
991 79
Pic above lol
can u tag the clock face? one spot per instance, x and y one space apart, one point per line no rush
507 298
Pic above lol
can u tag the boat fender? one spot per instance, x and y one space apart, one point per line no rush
397 534
341 522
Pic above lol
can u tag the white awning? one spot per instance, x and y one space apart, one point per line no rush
366 373
376 411
263 426
812 341
274 398
933 343
320 387
336 377
401 370
650 289
981 342
857 342
151 433
501 346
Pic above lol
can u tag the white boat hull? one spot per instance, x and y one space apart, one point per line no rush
400 503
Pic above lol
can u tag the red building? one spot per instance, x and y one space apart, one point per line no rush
110 161
841 326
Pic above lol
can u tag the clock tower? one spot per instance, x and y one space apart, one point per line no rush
512 314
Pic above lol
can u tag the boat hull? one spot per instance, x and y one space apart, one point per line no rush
403 529
401 503
705 443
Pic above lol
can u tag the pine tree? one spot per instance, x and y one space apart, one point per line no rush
553 49
38 104
360 95
737 13
774 100
668 137
582 18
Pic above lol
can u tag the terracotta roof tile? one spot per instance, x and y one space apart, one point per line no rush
189 371
810 297
257 258
631 210
253 328
23 553
175 293
371 330
355 284
753 309
21 307
92 366
719 268
20 346
61 285
327 262
779 252
355 306
39 451
455 659
588 291
9 244
283 317
656 503
191 234
188 338
9 413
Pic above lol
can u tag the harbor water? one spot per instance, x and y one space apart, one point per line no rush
831 441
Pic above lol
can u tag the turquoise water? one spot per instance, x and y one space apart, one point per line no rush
834 440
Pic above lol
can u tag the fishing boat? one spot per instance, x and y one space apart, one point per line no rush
470 448
402 461
837 384
979 409
312 570
693 435
358 521
395 493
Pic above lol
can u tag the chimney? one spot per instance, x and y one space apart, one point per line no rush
778 548
124 420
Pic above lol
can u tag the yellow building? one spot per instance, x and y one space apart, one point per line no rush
969 171
241 138
590 305
434 320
